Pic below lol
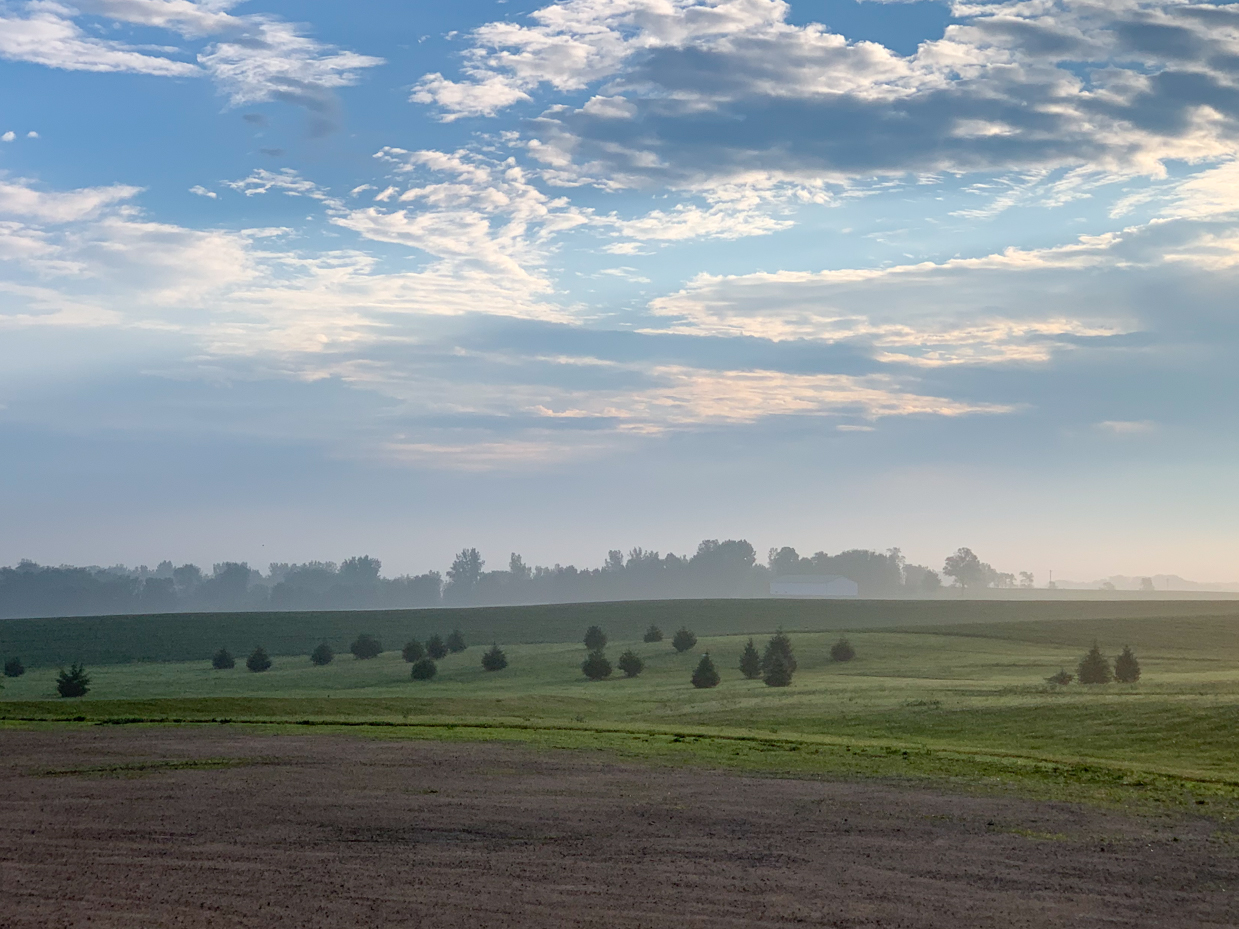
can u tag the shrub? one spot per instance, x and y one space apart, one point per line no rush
596 666
779 646
322 655
1062 678
595 639
222 660
1094 668
706 674
456 642
494 659
424 669
73 683
413 651
630 664
652 634
778 672
366 647
258 660
436 648
842 650
1126 667
683 639
14 668
750 661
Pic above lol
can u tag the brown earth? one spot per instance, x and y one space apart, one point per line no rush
327 831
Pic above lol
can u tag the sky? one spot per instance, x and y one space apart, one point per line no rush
290 281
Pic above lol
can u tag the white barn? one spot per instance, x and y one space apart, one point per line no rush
813 585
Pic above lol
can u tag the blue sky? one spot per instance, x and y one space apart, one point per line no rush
289 281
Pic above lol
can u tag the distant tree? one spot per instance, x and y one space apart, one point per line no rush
494 659
930 582
1126 667
750 661
322 654
14 668
1062 677
423 669
652 634
1027 580
363 570
842 650
223 660
436 648
413 651
777 672
464 574
779 646
1146 584
967 569
456 642
366 647
706 674
1094 668
258 660
595 666
683 639
630 664
73 683
785 560
595 639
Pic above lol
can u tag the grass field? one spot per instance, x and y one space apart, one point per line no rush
965 702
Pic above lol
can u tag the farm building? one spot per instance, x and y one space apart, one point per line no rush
813 585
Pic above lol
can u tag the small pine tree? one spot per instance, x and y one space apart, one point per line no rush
14 668
630 664
750 661
258 660
596 666
1094 667
366 647
842 650
222 660
778 672
436 648
494 659
73 683
413 651
706 674
456 642
683 639
652 634
1126 667
322 655
423 669
1062 678
595 639
781 646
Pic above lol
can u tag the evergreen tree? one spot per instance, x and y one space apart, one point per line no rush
630 664
595 639
366 647
1094 667
596 667
683 639
222 660
779 646
778 672
73 683
423 669
322 655
653 634
706 674
750 661
258 660
14 668
413 651
456 642
494 659
1126 667
436 648
1062 678
842 650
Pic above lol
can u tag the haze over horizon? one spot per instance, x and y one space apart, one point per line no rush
283 281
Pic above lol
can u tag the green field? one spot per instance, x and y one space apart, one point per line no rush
966 702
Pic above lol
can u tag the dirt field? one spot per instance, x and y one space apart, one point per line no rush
323 831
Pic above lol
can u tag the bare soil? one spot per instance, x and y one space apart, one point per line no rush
223 827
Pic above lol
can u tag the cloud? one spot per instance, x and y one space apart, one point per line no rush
21 199
201 191
8 136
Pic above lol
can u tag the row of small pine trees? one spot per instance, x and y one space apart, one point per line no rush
1095 668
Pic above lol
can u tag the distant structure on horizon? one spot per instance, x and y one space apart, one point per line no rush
813 585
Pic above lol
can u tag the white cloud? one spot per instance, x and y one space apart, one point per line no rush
201 191
8 136
32 134
20 198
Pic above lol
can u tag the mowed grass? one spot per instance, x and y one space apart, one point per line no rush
967 703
